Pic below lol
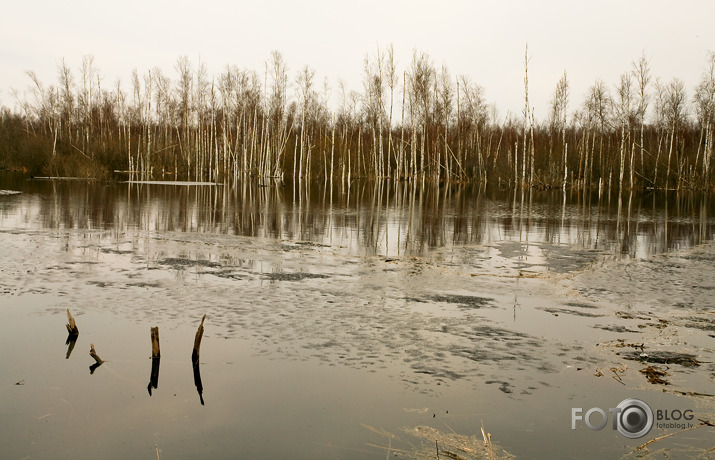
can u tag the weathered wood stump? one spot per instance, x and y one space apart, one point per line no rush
71 325
155 352
96 357
93 354
197 342
195 360
155 360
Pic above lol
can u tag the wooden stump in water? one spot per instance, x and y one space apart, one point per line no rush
197 342
155 352
71 325
96 357
155 360
195 360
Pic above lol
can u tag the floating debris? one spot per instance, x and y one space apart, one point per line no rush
664 357
621 343
655 375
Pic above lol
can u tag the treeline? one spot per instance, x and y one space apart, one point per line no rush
420 123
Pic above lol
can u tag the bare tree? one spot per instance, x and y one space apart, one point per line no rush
558 119
278 107
641 72
525 112
391 76
622 109
475 118
305 88
446 96
599 100
66 91
675 113
185 84
239 123
422 77
704 101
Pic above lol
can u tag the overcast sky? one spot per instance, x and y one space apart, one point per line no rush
484 40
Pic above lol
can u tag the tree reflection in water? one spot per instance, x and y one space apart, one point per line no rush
376 217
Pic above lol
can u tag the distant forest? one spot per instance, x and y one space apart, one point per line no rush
419 123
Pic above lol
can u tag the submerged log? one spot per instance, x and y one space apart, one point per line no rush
197 342
71 325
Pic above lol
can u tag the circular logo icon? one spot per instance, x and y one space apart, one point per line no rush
635 418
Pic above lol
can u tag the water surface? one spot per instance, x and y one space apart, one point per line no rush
339 320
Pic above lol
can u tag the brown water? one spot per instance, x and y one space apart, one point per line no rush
338 320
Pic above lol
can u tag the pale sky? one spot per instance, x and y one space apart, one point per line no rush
484 40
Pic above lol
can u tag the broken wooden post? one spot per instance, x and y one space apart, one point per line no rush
197 342
155 352
73 333
71 325
96 357
155 360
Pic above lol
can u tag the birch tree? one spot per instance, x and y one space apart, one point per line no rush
559 108
641 73
704 102
305 88
675 115
184 89
391 76
622 109
526 112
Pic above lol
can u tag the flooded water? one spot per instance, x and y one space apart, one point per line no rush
350 323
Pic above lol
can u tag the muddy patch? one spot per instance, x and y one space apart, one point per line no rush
566 311
703 324
179 263
564 259
283 276
463 301
617 328
101 284
229 274
116 251
663 357
302 245
145 284
504 387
